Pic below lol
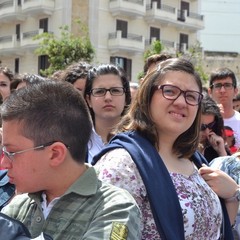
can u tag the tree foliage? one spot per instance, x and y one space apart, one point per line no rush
194 54
64 50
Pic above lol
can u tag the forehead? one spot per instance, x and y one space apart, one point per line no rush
11 132
3 77
223 80
111 80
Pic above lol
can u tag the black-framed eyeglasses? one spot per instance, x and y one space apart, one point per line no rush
209 126
172 92
218 86
10 155
114 91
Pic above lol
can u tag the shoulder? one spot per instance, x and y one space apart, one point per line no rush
17 204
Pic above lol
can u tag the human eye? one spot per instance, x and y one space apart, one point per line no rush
3 84
227 85
192 96
170 90
218 85
116 91
98 91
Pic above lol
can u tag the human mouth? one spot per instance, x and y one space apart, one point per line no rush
177 115
108 106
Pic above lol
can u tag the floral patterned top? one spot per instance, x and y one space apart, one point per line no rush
201 207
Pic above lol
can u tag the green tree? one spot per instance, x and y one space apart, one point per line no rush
195 55
155 48
66 49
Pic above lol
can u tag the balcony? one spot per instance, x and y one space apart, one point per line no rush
9 45
39 7
171 16
10 11
27 38
132 43
130 8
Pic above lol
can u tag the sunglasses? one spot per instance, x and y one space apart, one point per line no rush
209 126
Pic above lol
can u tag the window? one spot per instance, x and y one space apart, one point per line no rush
158 3
124 63
18 29
16 65
122 26
43 23
42 62
183 42
185 6
154 33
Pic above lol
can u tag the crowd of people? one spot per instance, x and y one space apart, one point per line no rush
86 154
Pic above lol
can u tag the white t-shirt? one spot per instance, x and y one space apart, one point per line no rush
234 123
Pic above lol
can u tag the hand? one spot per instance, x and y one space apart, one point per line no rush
218 144
220 182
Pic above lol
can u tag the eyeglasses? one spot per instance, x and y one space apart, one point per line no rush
218 86
114 91
209 126
171 92
10 155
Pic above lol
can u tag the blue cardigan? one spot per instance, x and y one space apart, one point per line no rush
161 192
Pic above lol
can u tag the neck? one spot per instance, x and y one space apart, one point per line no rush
103 128
61 182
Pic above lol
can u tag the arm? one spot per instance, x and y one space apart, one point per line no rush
218 144
224 186
117 217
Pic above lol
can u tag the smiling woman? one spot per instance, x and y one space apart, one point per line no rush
153 155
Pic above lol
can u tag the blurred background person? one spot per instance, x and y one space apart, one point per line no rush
6 77
212 135
76 74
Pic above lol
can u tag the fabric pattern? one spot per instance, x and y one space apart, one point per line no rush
196 198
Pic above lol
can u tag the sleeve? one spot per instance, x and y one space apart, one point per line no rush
117 218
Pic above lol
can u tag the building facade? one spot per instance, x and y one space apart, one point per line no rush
120 30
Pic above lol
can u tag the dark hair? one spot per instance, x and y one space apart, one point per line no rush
237 97
27 78
51 111
105 69
209 106
156 58
76 71
139 117
7 72
222 73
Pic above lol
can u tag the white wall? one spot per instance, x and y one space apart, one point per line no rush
222 25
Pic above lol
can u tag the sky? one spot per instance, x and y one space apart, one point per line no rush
222 25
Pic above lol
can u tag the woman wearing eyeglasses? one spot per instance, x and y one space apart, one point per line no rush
154 157
107 93
212 136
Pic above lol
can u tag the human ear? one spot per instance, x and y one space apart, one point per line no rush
58 153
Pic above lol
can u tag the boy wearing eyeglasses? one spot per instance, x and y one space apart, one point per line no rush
46 129
223 89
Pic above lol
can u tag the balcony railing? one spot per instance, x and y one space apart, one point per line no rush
33 7
169 15
27 38
130 43
10 11
130 8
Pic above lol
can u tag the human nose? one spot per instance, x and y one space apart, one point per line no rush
180 99
5 163
222 89
108 94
